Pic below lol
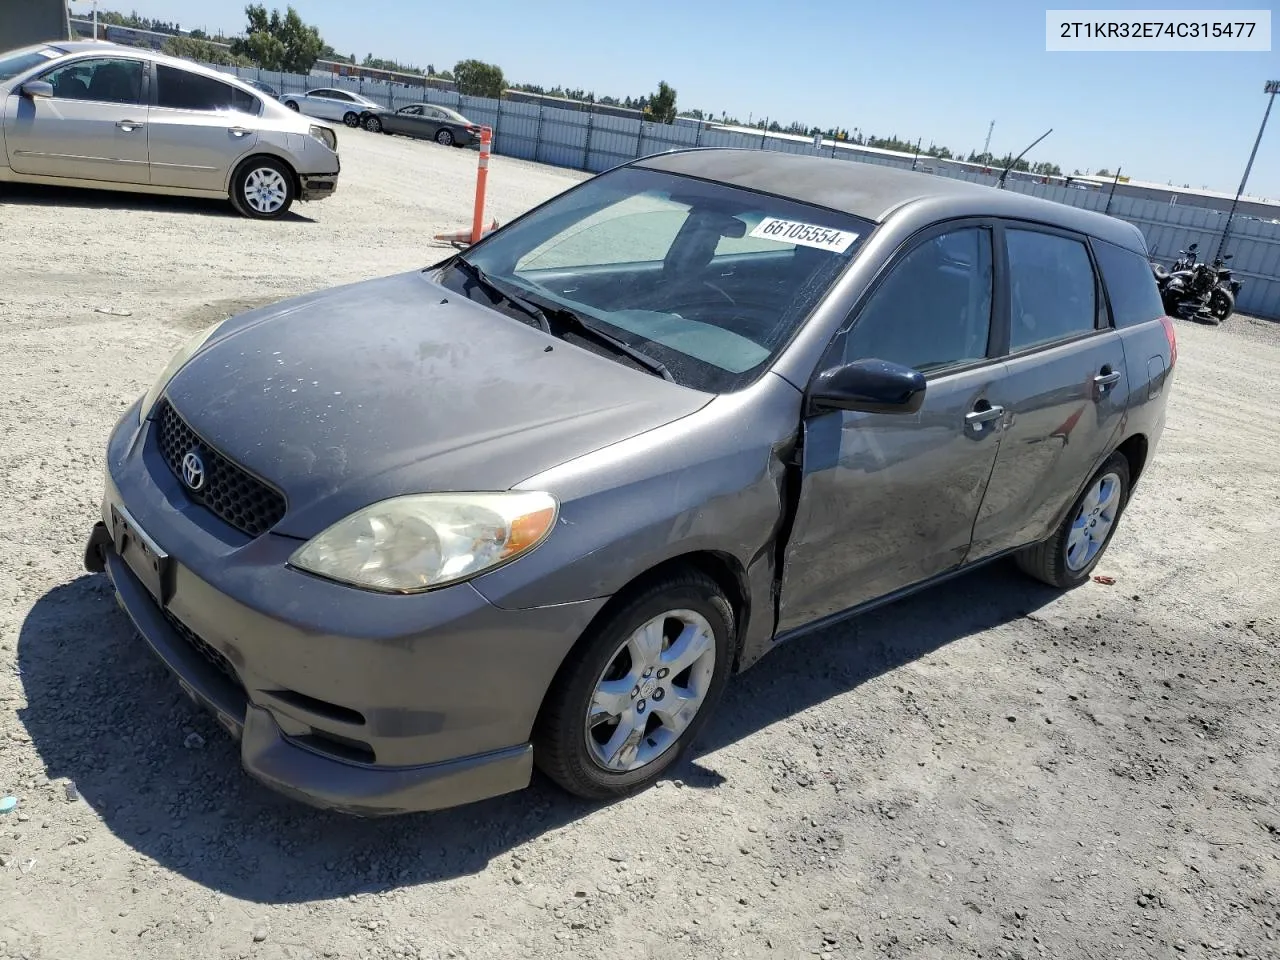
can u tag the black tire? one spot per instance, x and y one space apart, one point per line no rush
372 124
351 118
560 735
292 105
244 180
1047 561
1221 304
444 137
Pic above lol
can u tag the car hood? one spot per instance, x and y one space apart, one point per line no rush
397 386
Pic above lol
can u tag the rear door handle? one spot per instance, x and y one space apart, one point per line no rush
1104 381
128 126
238 131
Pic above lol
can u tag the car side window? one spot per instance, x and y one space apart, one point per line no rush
432 113
933 309
413 111
183 90
1052 288
1131 287
339 95
105 80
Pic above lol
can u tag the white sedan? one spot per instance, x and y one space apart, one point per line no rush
328 103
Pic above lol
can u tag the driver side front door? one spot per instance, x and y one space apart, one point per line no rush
94 127
889 500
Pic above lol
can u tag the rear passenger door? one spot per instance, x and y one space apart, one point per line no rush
1064 390
200 127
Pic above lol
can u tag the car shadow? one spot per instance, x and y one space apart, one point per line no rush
75 198
164 777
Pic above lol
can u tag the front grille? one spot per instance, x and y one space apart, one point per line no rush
235 496
203 648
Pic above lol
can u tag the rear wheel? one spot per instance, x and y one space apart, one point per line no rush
638 689
351 118
1221 304
373 124
263 188
444 137
1067 558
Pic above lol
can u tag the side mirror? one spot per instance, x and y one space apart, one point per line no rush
868 386
1193 248
1228 256
37 88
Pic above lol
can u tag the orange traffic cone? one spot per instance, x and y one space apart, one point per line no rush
462 238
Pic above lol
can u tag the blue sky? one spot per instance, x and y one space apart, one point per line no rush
941 70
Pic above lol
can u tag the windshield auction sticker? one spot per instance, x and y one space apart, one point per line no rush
1155 31
804 234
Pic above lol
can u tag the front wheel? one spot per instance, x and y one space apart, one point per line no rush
1067 558
637 689
263 189
1221 304
292 105
373 124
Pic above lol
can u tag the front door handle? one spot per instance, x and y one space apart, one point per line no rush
238 131
978 419
128 126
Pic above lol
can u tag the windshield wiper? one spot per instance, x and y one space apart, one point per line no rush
592 332
540 312
482 279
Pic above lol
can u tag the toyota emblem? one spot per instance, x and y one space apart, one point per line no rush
193 470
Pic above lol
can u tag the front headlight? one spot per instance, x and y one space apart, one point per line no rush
325 136
424 541
176 362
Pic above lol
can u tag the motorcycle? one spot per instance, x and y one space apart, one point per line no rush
1195 290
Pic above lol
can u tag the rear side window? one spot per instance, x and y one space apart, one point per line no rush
182 90
1130 286
1052 289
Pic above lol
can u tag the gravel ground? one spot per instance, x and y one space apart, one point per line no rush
986 770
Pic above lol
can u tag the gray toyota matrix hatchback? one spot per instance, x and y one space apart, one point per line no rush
536 503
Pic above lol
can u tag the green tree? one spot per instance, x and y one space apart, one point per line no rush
1103 172
661 106
194 48
278 42
476 78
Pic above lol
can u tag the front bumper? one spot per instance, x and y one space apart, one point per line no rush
364 703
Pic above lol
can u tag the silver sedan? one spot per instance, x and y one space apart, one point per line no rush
99 115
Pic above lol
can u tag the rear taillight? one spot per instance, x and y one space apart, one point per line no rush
1169 333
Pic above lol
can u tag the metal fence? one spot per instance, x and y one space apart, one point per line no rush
596 142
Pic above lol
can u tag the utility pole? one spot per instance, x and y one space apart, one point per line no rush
1113 190
987 146
1271 89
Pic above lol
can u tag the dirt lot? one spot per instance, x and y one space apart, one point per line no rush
986 770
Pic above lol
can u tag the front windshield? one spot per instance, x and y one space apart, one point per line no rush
23 60
710 280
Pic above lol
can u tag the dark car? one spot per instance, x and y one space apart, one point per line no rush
266 88
426 121
537 502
